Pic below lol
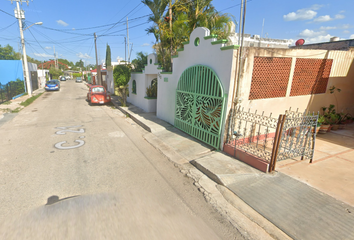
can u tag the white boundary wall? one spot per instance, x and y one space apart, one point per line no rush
221 61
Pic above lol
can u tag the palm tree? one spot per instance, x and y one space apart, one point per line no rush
186 16
157 8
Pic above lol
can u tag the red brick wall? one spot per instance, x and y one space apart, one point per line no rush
310 76
270 77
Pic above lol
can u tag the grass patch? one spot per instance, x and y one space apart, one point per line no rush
30 100
6 103
16 110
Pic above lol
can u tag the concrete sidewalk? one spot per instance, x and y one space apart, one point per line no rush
281 205
15 103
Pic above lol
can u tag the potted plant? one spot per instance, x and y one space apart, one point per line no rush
342 120
320 121
323 124
334 120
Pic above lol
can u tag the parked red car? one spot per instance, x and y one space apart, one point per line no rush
98 94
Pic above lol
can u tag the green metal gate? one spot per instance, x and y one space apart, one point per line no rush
200 101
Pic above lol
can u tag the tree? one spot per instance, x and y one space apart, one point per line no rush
108 56
69 63
80 64
186 16
157 8
55 73
140 61
121 75
8 53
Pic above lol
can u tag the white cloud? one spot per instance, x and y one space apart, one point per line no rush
43 55
316 6
48 47
351 36
62 23
327 18
346 26
339 16
301 14
73 29
342 26
310 33
145 44
324 18
328 28
86 56
119 58
346 31
318 39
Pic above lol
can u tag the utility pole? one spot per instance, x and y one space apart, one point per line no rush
125 50
170 13
98 67
128 39
240 25
131 50
20 14
55 59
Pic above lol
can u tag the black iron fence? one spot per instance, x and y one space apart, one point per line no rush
11 89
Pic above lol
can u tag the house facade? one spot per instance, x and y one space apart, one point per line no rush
199 96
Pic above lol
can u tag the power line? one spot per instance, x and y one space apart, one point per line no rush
1 29
67 49
7 13
234 6
129 28
37 41
122 18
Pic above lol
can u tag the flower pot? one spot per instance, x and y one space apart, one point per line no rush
324 128
329 128
335 127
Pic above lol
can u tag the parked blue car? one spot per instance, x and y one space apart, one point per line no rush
52 85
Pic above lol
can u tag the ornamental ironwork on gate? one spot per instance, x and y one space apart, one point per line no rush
269 139
200 101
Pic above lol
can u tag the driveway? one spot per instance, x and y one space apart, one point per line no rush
332 168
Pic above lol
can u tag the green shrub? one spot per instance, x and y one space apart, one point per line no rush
75 75
121 75
151 91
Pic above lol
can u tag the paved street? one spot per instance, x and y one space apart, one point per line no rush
73 171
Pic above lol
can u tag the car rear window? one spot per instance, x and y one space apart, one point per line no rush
51 82
98 89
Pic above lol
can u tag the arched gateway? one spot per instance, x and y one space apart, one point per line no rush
200 101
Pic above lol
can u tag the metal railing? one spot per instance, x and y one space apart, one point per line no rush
11 89
272 139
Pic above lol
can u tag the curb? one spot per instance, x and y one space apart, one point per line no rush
133 118
250 223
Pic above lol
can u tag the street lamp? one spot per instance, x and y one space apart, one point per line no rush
37 23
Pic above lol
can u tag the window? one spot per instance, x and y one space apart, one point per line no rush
98 90
196 42
134 87
154 82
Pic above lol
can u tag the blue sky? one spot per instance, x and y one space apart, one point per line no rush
69 25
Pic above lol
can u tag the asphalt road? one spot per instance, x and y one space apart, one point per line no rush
73 171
